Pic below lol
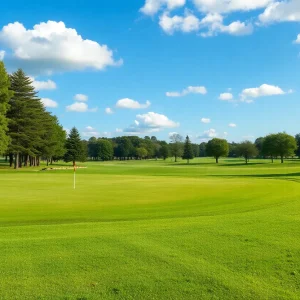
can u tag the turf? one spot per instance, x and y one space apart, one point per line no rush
152 230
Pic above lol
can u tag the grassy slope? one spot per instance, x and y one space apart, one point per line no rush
152 230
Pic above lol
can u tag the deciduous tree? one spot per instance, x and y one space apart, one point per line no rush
217 148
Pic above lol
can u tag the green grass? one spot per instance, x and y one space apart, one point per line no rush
152 230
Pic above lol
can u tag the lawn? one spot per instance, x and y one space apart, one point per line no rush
152 230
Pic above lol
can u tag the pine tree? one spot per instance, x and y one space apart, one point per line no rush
26 121
74 147
188 152
5 95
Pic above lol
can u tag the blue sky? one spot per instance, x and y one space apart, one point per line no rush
165 65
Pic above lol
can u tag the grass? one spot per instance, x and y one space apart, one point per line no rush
152 230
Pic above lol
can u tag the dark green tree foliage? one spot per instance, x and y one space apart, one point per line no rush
188 152
297 152
141 152
269 146
26 120
259 145
286 145
106 150
217 148
196 150
202 149
76 150
93 148
233 150
247 150
5 95
164 151
176 146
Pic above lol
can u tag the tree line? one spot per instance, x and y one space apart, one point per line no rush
29 133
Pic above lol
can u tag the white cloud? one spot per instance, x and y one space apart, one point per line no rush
90 133
227 6
151 7
188 23
119 130
297 41
263 90
81 97
43 85
226 97
151 122
205 120
281 11
89 128
172 133
131 104
52 47
49 102
208 134
80 107
232 125
2 54
189 90
108 110
67 130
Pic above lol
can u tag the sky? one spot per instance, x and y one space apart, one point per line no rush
203 68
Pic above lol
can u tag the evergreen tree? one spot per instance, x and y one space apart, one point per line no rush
75 149
26 120
5 95
188 152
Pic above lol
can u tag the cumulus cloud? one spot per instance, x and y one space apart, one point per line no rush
108 111
227 6
297 41
208 134
43 85
49 103
226 97
232 125
187 23
132 104
90 131
80 107
263 90
281 11
151 7
151 122
52 47
118 130
205 120
81 97
189 90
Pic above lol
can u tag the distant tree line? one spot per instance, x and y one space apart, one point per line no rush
29 133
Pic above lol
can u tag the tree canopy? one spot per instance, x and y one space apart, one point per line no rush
217 148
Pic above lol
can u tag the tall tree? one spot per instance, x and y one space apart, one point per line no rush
202 149
26 119
247 149
188 152
75 148
217 148
164 151
176 146
141 152
286 145
5 95
106 151
269 146
259 145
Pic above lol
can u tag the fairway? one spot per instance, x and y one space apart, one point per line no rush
152 230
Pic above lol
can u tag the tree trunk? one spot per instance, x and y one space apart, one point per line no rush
272 159
51 161
38 161
17 160
47 162
188 161
281 159
217 160
175 158
11 159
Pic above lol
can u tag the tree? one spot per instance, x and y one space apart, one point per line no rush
176 146
106 151
141 152
269 146
233 151
27 121
75 148
164 151
202 149
247 149
286 145
5 95
297 137
259 145
188 152
217 148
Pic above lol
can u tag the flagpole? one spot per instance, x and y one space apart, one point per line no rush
74 175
